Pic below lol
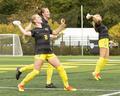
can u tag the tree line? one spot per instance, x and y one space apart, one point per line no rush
68 9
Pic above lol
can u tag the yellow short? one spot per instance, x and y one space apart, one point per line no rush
45 56
103 43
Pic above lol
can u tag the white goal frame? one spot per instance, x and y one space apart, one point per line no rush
10 45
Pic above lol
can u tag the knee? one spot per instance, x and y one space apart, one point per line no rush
36 72
60 68
50 66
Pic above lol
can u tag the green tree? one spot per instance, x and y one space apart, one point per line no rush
111 12
115 32
8 7
68 9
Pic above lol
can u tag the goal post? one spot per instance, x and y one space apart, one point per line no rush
10 45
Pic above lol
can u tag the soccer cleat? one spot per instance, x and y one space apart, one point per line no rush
51 85
70 88
96 76
21 87
18 73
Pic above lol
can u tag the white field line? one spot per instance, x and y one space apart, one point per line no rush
111 94
61 89
68 64
115 60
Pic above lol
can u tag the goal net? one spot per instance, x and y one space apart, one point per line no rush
10 45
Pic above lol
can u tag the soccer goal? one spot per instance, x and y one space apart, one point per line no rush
10 45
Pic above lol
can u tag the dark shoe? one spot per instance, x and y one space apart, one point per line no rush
51 85
18 73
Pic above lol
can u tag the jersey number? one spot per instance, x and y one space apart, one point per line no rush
46 37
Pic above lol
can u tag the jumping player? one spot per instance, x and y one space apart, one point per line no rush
103 43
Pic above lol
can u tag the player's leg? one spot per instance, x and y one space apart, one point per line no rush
99 63
56 63
49 83
104 54
50 69
106 57
101 60
37 66
31 75
19 70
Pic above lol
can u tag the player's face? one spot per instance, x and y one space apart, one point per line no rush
46 13
38 19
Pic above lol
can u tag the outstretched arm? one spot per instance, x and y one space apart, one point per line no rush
18 24
28 33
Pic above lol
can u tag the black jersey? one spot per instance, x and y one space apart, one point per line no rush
42 40
46 25
102 30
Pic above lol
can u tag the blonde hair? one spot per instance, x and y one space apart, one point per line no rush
34 17
97 18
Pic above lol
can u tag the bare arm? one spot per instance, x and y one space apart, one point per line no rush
93 23
18 24
28 27
53 36
28 33
60 28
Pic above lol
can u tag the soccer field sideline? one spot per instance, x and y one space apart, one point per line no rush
84 60
112 92
57 89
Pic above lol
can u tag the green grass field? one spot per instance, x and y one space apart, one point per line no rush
79 70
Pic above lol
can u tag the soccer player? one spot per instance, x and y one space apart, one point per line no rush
103 43
45 14
43 51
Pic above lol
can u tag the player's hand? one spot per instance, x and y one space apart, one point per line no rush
16 22
62 21
88 16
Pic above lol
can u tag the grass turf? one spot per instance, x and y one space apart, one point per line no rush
79 71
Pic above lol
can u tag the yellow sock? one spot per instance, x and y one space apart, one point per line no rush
49 73
30 76
63 75
28 67
104 63
98 65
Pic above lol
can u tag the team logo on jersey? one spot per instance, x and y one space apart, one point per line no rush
46 29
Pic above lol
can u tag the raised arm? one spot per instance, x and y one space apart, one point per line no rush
60 28
27 28
18 24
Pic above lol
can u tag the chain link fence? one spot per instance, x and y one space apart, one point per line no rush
74 46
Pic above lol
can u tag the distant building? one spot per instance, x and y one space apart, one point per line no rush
78 36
